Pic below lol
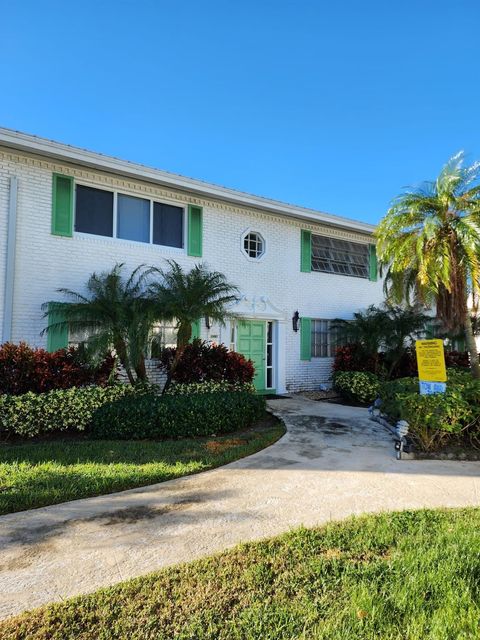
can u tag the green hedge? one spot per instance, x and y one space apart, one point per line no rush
435 420
187 388
202 414
357 386
33 414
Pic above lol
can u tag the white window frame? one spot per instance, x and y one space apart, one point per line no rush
330 342
335 273
134 194
242 248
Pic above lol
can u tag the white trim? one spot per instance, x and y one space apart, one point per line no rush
116 192
280 337
10 261
49 148
245 233
256 307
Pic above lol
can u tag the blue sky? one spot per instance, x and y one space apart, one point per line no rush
331 105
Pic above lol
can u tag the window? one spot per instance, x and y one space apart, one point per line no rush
269 355
324 339
331 255
167 225
127 217
253 245
164 335
133 218
94 211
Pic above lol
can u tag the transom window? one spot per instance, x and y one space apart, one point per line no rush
254 245
104 213
324 339
331 255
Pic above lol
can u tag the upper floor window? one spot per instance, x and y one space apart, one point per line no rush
99 212
253 245
332 255
94 211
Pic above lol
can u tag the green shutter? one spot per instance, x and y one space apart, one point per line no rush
305 338
62 205
305 251
195 230
372 263
195 330
56 338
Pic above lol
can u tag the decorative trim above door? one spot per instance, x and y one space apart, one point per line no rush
256 306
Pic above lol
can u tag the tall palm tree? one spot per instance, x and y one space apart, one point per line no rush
429 241
114 313
186 296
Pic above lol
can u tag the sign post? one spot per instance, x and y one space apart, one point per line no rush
432 372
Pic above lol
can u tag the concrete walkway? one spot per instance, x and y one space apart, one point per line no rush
333 462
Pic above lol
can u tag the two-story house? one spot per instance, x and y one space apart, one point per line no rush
66 212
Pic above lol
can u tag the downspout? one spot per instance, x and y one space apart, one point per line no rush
10 265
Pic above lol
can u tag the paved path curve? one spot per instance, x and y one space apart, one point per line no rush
333 462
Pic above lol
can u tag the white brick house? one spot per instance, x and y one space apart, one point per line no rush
66 212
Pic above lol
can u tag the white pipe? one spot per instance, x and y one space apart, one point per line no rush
10 266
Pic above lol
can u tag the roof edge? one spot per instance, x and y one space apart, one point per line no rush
56 150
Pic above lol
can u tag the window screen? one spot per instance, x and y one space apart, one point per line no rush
94 211
331 255
167 225
133 218
324 339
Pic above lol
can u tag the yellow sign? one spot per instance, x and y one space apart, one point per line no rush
431 360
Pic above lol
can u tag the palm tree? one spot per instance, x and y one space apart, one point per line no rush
388 330
429 241
115 313
185 297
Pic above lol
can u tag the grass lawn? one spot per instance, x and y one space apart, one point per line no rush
402 576
35 475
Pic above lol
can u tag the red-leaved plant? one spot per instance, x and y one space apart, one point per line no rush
202 362
24 369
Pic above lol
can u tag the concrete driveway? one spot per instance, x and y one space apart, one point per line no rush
332 463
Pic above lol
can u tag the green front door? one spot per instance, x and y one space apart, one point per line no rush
251 343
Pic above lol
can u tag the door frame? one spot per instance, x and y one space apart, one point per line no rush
259 307
273 388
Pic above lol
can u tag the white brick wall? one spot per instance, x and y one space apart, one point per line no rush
45 262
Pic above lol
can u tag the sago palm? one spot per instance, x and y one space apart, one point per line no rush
429 241
113 313
187 296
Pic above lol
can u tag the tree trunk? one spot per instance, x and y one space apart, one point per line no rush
121 351
141 370
183 338
471 346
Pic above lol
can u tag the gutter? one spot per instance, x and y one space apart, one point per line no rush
66 153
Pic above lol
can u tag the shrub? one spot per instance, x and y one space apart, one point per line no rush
184 388
202 362
352 357
357 386
457 359
33 414
435 419
201 414
24 369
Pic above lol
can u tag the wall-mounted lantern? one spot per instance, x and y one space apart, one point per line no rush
207 322
295 320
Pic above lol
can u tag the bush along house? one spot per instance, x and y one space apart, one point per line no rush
66 212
